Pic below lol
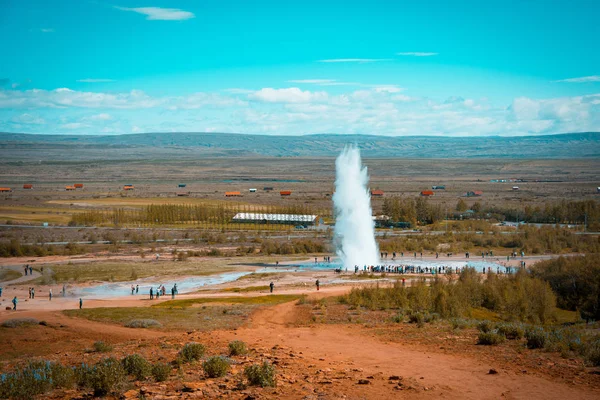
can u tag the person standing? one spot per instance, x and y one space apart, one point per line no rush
50 295
26 270
15 301
0 291
30 270
151 294
64 291
137 289
318 284
33 293
80 303
173 292
271 286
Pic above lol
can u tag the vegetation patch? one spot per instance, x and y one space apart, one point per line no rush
255 300
192 352
216 366
490 338
143 323
161 371
137 366
19 322
237 348
261 374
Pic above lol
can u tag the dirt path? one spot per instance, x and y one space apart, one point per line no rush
444 376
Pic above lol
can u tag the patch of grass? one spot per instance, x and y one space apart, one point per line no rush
161 371
8 275
101 347
143 323
19 322
121 271
258 276
37 378
203 319
261 374
484 314
491 338
459 323
137 366
247 289
255 300
237 348
216 366
192 352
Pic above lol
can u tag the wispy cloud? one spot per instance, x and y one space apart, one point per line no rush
47 30
416 54
94 80
160 14
353 60
313 81
582 79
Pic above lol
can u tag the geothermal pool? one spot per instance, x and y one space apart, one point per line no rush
194 283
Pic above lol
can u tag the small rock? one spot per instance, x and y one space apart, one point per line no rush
364 382
492 371
370 377
395 378
131 394
192 386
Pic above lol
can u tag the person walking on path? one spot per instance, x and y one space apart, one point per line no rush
33 293
64 291
318 284
151 294
15 301
50 295
271 286
30 270
0 291
26 270
80 303
137 289
173 292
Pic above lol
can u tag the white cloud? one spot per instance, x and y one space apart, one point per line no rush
158 13
387 88
582 79
28 119
73 125
417 54
353 60
313 81
95 80
101 117
47 30
288 95
238 91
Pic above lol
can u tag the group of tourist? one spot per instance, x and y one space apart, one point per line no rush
161 290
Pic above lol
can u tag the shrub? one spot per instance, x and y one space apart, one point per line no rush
136 365
33 380
511 331
62 377
216 367
160 371
459 323
485 326
398 318
101 347
416 318
19 322
591 352
536 338
490 338
261 374
143 323
429 318
237 348
192 352
107 376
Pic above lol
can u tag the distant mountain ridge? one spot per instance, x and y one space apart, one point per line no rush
193 145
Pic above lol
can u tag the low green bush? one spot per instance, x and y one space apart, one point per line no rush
161 371
137 366
536 338
459 323
216 366
19 322
491 338
107 376
261 374
416 318
237 348
591 352
192 352
485 326
511 331
143 323
101 347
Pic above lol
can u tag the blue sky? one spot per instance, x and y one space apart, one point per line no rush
455 68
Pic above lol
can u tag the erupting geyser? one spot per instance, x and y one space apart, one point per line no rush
354 227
